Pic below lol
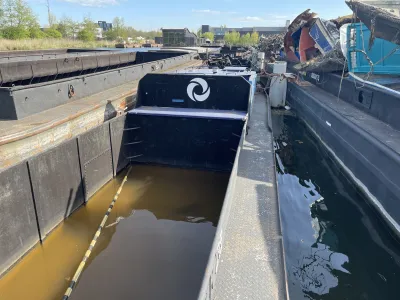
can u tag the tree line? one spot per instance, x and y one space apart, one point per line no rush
234 38
121 31
17 21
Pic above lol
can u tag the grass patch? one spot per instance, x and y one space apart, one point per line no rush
38 44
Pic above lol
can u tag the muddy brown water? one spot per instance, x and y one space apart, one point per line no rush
155 244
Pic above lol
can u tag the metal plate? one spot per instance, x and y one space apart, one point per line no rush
118 141
57 184
95 157
201 91
184 142
18 226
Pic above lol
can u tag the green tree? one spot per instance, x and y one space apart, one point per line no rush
119 28
1 10
15 33
232 38
88 30
245 40
18 13
255 38
67 27
150 35
18 20
208 35
110 35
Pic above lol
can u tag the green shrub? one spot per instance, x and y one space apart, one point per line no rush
52 33
86 35
15 33
36 33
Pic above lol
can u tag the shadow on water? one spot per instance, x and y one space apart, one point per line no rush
336 245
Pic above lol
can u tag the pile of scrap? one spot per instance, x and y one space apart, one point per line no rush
313 44
339 22
224 60
271 45
380 22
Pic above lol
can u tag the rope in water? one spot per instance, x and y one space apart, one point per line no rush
94 240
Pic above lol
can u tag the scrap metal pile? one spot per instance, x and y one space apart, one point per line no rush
271 45
225 60
313 44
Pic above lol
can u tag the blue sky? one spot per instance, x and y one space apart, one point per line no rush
154 14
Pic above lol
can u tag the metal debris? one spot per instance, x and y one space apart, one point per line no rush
271 45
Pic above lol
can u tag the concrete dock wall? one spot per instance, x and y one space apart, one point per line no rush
39 193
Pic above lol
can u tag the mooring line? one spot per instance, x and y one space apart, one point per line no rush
94 240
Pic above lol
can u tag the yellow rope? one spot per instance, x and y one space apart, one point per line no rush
94 240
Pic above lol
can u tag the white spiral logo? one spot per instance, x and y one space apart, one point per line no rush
206 90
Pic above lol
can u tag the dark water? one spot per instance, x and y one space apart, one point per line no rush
336 245
155 244
161 248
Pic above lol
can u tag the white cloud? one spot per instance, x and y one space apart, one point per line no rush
250 19
206 11
93 3
212 12
274 16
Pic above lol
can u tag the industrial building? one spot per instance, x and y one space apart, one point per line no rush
178 37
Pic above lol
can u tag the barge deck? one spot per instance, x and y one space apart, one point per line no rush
247 258
20 139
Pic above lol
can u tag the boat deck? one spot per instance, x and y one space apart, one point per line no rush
250 248
54 126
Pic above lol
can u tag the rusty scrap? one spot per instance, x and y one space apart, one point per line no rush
271 44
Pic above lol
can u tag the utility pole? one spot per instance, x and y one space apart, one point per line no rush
48 12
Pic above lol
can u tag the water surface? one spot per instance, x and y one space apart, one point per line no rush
337 247
155 244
